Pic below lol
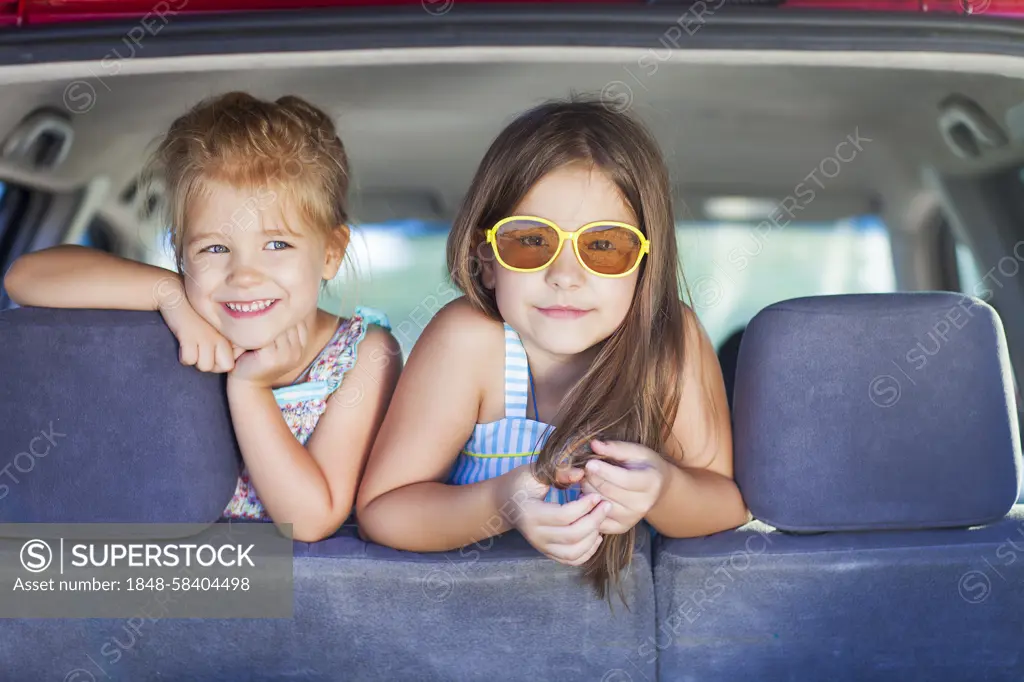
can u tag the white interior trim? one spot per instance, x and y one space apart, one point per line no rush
92 200
110 66
45 180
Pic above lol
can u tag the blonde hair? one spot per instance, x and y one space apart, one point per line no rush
631 391
287 146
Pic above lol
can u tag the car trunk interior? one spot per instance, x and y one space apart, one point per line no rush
416 122
416 130
917 122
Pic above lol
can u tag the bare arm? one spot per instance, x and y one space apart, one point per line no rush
699 496
403 501
80 277
313 487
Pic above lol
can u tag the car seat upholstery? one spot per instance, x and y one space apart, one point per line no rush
102 424
878 435
162 436
500 611
835 591
840 389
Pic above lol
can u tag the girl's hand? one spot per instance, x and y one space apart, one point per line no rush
200 345
632 487
264 366
568 533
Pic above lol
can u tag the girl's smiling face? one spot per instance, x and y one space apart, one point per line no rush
251 269
564 309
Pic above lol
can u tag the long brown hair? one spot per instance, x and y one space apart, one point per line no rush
631 391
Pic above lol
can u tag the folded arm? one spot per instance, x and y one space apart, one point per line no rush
80 277
313 486
699 495
403 500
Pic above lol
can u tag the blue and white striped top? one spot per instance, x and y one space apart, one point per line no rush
499 447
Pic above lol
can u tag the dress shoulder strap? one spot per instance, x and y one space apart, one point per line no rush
517 375
325 373
341 352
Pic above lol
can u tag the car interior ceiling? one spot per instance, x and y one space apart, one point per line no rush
415 131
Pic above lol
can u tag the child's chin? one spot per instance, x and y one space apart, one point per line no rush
563 345
251 341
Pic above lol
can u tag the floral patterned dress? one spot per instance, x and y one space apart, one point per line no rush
304 401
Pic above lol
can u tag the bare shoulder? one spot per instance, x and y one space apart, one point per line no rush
380 340
470 320
379 352
697 346
463 347
462 332
702 426
694 334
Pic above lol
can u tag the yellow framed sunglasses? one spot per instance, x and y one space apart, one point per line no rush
604 248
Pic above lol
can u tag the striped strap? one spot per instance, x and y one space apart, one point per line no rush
304 392
517 376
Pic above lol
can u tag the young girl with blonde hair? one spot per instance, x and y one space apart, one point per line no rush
258 219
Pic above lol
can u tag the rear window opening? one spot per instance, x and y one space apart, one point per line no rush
732 269
424 117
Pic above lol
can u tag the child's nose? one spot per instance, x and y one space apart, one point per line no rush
566 272
243 274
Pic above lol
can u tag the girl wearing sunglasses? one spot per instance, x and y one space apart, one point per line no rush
570 394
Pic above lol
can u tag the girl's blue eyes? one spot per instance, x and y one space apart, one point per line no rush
276 245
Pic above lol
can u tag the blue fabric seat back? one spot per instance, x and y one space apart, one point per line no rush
876 411
149 440
493 611
758 604
876 482
103 424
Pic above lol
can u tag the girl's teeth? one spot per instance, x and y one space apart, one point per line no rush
248 308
